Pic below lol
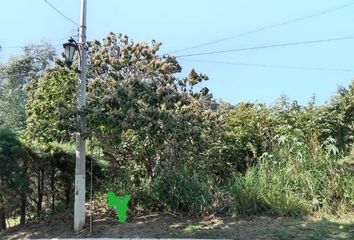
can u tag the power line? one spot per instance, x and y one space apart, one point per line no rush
272 66
266 28
266 46
27 74
69 35
62 14
39 45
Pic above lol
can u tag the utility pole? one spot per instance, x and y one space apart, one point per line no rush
79 206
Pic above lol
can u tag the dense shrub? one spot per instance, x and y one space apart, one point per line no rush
179 190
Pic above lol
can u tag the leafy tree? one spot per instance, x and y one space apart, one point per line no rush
52 110
14 75
247 134
337 118
133 97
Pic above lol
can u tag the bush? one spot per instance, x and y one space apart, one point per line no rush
179 190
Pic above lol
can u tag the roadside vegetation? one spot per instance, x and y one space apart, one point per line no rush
173 148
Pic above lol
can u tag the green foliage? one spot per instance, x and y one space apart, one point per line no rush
13 181
171 147
138 110
63 159
244 139
14 76
337 118
253 195
181 190
282 184
11 176
51 109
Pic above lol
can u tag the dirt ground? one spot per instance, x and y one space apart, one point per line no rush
166 225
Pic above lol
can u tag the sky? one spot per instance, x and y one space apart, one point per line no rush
260 75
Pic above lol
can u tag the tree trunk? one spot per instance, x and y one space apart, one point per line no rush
67 193
2 219
52 184
40 186
23 194
2 214
149 169
23 209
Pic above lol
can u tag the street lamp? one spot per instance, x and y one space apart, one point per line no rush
69 49
80 164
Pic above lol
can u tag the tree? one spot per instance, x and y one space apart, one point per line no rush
12 179
337 118
247 133
14 75
135 102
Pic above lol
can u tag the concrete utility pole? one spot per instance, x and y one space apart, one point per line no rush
79 206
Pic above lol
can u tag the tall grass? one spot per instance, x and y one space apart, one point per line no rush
182 190
282 184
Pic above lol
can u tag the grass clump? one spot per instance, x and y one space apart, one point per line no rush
178 190
283 185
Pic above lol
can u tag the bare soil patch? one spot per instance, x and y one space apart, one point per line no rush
165 225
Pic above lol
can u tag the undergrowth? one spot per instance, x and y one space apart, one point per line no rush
282 184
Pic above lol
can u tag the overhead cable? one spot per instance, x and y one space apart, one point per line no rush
266 46
272 66
61 13
261 29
